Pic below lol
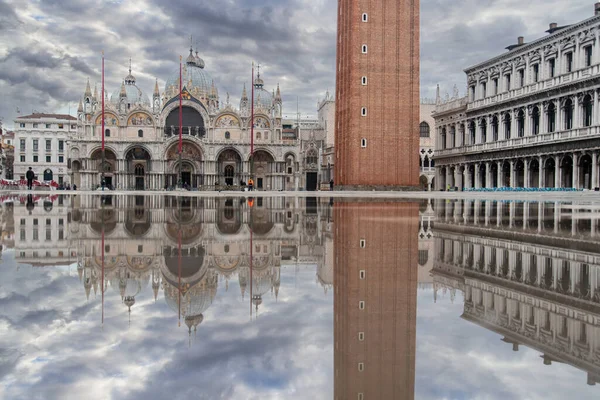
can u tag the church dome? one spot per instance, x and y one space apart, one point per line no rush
194 78
133 95
262 98
194 302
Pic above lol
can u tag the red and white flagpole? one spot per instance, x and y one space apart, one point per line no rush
252 129
103 152
180 178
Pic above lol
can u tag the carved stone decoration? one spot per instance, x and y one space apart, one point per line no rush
227 121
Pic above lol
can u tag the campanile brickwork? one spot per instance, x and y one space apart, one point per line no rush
375 262
377 94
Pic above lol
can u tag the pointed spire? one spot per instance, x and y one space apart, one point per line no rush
244 93
123 92
156 91
437 94
88 90
95 96
80 109
278 93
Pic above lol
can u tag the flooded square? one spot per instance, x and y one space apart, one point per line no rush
167 296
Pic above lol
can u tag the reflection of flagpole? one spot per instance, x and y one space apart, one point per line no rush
102 252
251 245
103 152
179 258
180 178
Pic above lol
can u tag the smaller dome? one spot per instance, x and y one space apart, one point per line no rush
199 61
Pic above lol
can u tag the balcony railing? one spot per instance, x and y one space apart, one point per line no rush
536 87
544 138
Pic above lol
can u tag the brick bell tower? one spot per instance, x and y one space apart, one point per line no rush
377 95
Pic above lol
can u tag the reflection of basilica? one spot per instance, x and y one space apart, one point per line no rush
375 303
184 246
529 271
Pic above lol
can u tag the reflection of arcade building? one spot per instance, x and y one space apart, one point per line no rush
142 237
536 283
142 136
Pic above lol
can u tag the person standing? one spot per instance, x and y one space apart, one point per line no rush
250 184
29 175
331 185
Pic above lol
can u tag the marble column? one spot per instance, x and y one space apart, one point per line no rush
500 175
512 174
488 175
557 180
575 177
526 173
477 183
594 170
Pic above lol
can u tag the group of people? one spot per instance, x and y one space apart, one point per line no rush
30 176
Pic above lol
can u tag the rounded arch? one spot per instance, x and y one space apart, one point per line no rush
190 150
193 121
137 152
259 150
110 119
227 120
140 118
423 182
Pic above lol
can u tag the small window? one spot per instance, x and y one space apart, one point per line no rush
61 159
363 143
361 305
61 221
35 125
258 135
365 17
48 126
588 56
552 67
35 158
363 274
227 135
48 144
73 126
569 62
22 144
22 125
22 158
361 336
364 49
48 159
507 82
61 145
48 222
61 126
363 111
363 243
226 248
107 133
22 221
536 72
521 78
35 222
107 248
361 367
364 81
140 248
61 234
140 133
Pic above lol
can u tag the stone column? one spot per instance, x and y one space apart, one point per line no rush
512 174
575 178
594 170
527 122
559 117
557 180
488 174
465 181
500 175
477 183
541 182
595 112
576 113
526 173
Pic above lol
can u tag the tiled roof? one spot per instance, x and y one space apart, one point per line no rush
53 116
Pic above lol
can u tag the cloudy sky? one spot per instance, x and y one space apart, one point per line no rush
48 48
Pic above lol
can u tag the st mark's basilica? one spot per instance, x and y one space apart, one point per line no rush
142 136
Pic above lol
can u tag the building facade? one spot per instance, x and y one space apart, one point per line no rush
426 146
530 118
41 143
142 136
377 100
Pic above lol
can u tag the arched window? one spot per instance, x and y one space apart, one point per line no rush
107 133
568 114
551 117
312 158
424 129
227 135
139 170
258 135
521 124
507 125
588 106
483 126
423 257
495 128
443 138
535 121
472 133
140 133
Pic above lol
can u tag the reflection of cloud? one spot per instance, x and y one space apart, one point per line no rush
69 355
459 360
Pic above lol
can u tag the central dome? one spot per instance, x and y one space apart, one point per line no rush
194 78
130 91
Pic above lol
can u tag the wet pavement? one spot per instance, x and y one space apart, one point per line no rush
161 296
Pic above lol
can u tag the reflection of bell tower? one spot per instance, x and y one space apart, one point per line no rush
375 300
